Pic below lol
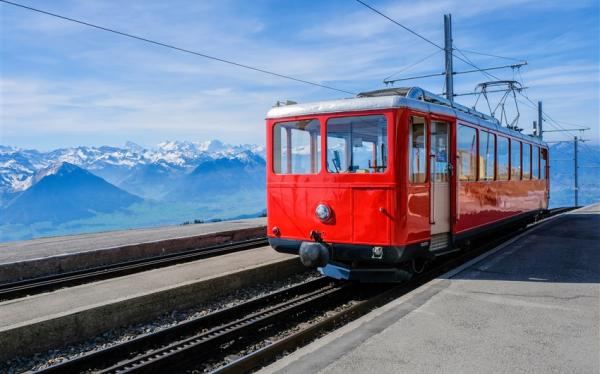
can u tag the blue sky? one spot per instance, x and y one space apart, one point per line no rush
63 84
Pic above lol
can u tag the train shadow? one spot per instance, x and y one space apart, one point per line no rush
565 250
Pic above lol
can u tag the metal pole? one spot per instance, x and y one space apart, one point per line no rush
448 50
535 130
575 173
540 120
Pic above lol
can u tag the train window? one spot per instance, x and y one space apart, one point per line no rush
535 162
486 156
439 151
526 161
515 159
418 150
297 147
467 153
502 158
543 163
357 144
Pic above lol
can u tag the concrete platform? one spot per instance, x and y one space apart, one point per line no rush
530 306
49 320
38 257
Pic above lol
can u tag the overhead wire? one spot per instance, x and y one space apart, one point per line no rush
465 59
570 124
468 61
545 116
551 121
557 126
530 103
399 24
412 65
489 55
166 45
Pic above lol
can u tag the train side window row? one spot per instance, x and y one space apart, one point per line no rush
512 158
359 145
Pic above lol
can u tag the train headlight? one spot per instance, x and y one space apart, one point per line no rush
323 212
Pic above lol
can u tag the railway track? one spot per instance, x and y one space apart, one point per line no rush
207 341
199 337
46 283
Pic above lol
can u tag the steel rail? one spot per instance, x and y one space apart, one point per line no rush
40 284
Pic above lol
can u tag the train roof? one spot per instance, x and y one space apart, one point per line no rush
403 97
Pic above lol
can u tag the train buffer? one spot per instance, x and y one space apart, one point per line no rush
531 304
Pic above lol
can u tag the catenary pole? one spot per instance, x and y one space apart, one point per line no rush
540 121
448 54
575 172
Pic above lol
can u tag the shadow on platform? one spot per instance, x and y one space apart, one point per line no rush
565 250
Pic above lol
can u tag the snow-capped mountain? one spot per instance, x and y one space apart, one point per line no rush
86 189
221 176
62 193
19 167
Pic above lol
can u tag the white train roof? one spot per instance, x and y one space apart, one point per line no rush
410 97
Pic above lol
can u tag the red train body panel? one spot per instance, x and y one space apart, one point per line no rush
396 174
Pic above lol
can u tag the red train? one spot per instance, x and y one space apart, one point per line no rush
372 187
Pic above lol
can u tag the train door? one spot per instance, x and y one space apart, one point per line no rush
440 168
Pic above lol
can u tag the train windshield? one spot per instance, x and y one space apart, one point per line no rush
357 144
297 147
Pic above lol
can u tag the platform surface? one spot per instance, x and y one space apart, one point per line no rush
63 245
67 300
530 306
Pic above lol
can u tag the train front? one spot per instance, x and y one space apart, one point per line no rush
332 191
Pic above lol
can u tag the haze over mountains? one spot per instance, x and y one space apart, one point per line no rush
86 189
102 188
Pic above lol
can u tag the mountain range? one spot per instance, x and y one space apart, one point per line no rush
81 189
85 189
125 167
65 192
